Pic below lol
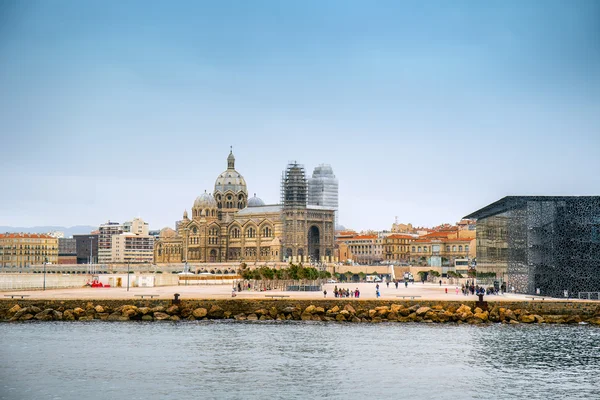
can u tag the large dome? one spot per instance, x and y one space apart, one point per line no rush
255 201
205 200
230 179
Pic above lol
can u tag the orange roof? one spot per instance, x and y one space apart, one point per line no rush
363 237
440 240
399 237
8 235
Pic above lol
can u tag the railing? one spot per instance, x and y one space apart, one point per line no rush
589 295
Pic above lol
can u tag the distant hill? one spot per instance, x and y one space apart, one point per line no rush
74 230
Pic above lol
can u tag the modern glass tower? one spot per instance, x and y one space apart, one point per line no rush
323 189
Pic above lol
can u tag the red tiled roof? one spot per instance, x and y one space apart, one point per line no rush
400 237
8 235
363 237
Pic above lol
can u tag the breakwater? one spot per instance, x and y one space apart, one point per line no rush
307 310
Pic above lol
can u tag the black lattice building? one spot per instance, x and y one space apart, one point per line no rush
541 244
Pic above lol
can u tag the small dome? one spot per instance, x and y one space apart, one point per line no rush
255 201
205 200
167 233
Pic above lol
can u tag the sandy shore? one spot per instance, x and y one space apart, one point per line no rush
426 291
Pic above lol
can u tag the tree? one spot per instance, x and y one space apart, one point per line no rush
422 275
434 273
349 275
362 276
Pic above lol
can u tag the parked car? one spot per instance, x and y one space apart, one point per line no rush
332 281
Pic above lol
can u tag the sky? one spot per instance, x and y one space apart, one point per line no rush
426 110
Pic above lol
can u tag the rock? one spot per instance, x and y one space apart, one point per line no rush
34 309
463 309
144 310
341 317
174 318
68 315
57 315
474 320
99 309
44 315
116 316
382 308
527 318
173 310
200 312
187 313
306 317
215 312
372 313
266 317
396 307
25 317
147 317
414 308
78 312
514 321
422 311
103 316
252 317
273 312
594 321
350 309
538 319
161 316
319 310
573 319
289 310
477 311
376 320
438 307
240 317
310 309
483 316
405 312
355 319
335 309
13 310
509 315
392 316
158 309
262 311
227 314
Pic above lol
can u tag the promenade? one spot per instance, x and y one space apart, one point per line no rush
421 291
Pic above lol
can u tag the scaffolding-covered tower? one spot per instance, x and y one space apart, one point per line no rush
294 187
323 189
294 198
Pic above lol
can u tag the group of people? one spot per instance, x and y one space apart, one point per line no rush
476 289
344 292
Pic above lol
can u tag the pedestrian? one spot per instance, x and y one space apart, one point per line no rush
377 293
446 290
396 284
406 284
325 293
457 290
440 282
387 283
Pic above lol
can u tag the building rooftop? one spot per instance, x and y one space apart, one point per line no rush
8 235
266 209
511 202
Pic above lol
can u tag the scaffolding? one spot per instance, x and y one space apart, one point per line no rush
294 186
294 198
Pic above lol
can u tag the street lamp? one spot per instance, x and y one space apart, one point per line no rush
128 276
45 261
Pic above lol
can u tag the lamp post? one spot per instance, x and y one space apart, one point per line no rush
128 276
45 261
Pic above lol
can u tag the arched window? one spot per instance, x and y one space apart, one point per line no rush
459 248
267 232
413 249
447 248
453 248
250 232
235 233
467 247
419 249
425 249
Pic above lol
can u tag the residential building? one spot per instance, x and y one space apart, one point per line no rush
132 248
361 249
397 248
106 232
18 250
548 245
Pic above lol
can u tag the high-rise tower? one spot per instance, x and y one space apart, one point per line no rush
323 189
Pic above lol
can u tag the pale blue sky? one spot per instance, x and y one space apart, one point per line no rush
425 110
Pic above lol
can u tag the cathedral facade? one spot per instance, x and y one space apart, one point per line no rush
230 226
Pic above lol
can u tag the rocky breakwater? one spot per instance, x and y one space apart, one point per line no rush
334 311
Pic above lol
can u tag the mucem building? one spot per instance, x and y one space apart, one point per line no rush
542 244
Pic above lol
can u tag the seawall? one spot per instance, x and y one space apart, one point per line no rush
314 310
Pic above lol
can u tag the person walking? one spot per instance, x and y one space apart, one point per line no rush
325 293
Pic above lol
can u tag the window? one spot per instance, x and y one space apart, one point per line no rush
267 232
250 232
447 248
413 249
459 248
419 249
454 248
467 247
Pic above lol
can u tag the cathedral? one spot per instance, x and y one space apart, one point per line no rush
230 226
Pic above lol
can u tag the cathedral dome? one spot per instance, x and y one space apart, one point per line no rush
255 201
205 200
230 180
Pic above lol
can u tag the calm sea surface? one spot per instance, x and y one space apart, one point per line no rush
297 360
